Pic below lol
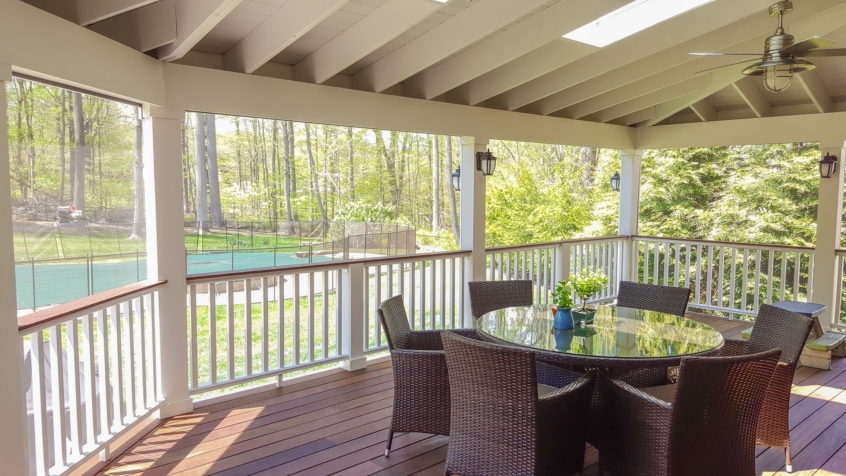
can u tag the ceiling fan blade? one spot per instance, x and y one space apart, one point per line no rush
804 46
825 52
726 54
724 66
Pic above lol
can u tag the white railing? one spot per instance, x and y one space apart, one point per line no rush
258 324
431 286
547 263
839 317
91 373
734 278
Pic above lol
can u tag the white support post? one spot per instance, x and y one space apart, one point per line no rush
829 213
13 450
472 217
630 162
166 251
352 317
561 271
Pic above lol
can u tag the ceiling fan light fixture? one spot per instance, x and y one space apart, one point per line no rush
778 72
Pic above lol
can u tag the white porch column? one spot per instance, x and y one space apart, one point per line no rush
166 250
12 406
829 213
472 217
629 208
353 319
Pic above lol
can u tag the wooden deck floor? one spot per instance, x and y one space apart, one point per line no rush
337 424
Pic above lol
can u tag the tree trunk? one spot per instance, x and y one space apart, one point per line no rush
315 190
200 171
81 153
214 179
138 214
187 179
453 212
436 184
274 162
287 173
62 146
352 163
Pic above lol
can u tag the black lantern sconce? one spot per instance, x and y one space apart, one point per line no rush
456 179
485 162
615 182
828 165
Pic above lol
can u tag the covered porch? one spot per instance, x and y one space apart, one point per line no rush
150 377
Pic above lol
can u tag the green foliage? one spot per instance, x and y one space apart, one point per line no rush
757 193
588 283
562 296
366 211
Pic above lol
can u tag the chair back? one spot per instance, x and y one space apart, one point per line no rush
777 328
653 297
395 322
487 296
715 413
493 392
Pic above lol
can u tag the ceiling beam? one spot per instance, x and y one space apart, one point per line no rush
520 39
92 11
472 24
814 87
143 29
704 110
543 60
649 42
752 96
194 20
291 21
641 102
829 15
362 38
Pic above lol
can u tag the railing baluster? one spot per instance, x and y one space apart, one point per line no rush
796 267
265 327
412 284
432 292
39 404
709 277
666 264
422 295
744 280
297 318
676 262
75 405
311 318
783 275
248 327
699 252
129 344
103 373
324 331
811 258
57 394
720 276
117 366
646 245
339 300
687 251
770 272
280 322
89 389
443 293
192 331
213 332
230 328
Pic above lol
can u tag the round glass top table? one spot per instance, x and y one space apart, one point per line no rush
617 337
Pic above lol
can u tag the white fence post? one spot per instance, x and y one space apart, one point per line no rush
166 251
472 218
826 273
12 407
630 163
562 263
353 318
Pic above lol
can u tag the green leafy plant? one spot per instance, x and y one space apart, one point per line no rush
563 295
587 284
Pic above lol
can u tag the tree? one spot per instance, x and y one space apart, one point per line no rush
81 153
436 184
214 184
453 213
200 171
138 174
315 190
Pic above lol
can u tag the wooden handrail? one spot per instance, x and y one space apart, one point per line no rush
548 244
80 306
729 243
243 274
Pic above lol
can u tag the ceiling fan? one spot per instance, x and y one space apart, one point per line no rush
780 59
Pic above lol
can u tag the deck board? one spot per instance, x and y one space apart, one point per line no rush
336 423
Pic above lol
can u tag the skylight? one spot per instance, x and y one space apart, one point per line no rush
629 19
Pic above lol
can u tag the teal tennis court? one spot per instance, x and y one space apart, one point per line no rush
54 281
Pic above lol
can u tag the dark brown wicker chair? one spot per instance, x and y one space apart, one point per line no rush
652 297
708 429
500 425
421 386
487 296
776 328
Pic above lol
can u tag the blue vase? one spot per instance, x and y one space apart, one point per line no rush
563 319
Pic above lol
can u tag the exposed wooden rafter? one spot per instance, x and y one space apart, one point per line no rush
92 11
194 19
471 25
144 28
292 20
362 38
814 87
752 96
704 110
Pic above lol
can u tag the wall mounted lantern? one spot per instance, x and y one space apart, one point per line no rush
456 179
615 182
828 165
485 162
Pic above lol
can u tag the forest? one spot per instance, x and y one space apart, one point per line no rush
79 150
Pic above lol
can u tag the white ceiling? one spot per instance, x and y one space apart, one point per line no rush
500 54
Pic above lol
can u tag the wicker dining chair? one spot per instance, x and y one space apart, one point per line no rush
776 328
502 423
487 296
652 297
707 429
421 386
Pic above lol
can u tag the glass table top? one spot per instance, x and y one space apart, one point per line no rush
615 332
